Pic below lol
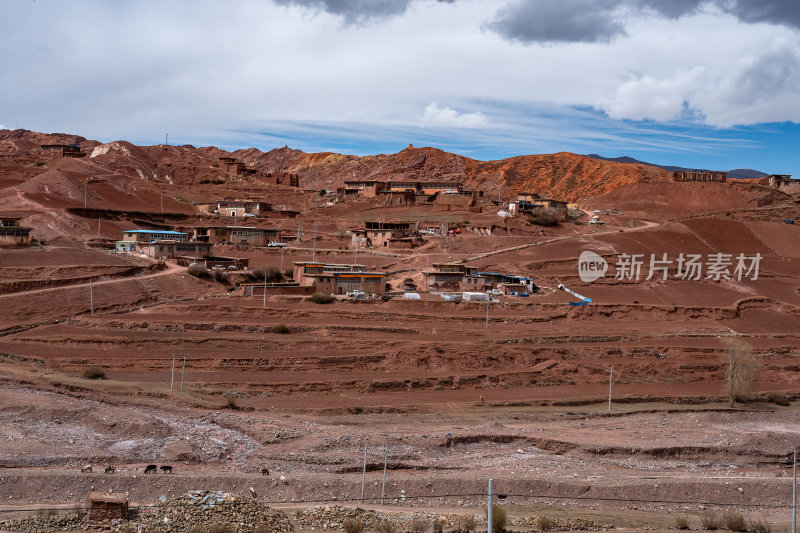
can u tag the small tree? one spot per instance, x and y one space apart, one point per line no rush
741 370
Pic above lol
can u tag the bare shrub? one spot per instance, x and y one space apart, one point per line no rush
759 525
741 371
271 275
710 521
499 518
94 372
467 523
283 329
734 521
545 523
321 298
419 525
681 522
353 526
231 403
385 526
438 525
220 276
543 217
198 271
778 398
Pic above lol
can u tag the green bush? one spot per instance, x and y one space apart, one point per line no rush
322 298
94 372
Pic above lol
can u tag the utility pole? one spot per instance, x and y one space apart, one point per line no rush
364 473
489 528
172 377
610 381
98 227
91 298
265 288
385 461
355 260
487 312
314 249
282 250
166 138
84 194
794 493
183 371
162 203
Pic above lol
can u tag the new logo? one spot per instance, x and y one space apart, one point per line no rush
591 266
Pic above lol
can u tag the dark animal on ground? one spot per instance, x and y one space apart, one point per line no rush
150 469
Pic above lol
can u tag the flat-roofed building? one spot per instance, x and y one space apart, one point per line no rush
147 235
12 234
339 278
173 249
366 188
453 277
62 150
242 208
387 235
713 176
247 235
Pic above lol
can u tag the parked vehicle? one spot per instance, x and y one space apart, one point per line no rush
789 221
275 244
357 294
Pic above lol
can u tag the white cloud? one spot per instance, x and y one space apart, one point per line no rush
648 98
446 117
4 127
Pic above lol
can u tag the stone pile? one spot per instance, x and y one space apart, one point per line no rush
332 517
40 523
202 509
560 523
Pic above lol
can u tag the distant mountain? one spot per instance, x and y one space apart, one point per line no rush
626 159
746 173
739 173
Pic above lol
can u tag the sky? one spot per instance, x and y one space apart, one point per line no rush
699 83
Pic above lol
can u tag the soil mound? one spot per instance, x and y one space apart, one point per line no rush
669 200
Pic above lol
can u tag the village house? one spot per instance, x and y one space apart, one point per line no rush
365 188
12 234
105 507
173 249
235 167
782 182
339 278
453 277
245 235
509 283
700 175
62 150
386 235
148 236
242 208
427 188
528 202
